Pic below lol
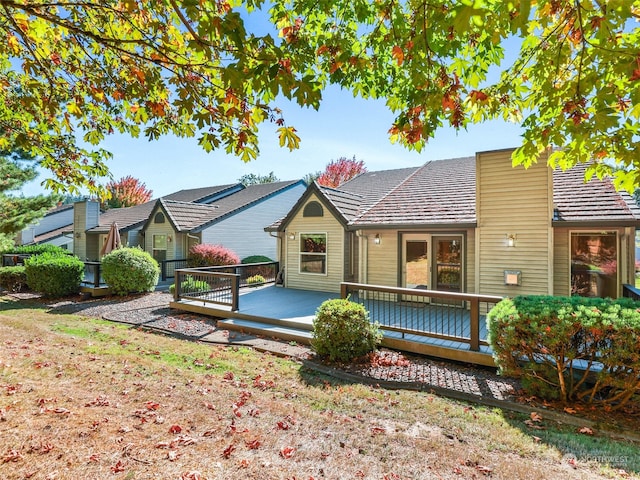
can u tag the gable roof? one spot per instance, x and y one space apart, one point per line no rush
129 218
195 217
352 197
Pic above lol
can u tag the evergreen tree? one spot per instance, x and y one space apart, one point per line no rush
18 211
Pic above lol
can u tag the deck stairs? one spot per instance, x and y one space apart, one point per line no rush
297 330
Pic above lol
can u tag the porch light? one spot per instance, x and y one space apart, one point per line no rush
169 239
511 239
376 239
292 235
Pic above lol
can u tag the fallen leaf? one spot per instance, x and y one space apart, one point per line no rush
287 452
118 467
570 410
535 417
226 453
175 429
586 431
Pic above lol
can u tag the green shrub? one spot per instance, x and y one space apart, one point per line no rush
342 330
206 255
54 274
13 279
569 348
265 271
36 249
255 280
190 285
130 270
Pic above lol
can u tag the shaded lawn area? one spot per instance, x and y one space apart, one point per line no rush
83 398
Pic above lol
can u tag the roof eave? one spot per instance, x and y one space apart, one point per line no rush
596 223
412 226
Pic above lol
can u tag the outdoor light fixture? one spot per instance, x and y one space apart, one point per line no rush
169 239
511 239
292 235
376 239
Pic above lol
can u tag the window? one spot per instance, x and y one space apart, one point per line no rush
313 209
313 253
160 247
159 218
594 264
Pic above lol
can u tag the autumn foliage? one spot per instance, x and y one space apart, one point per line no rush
127 192
339 171
206 255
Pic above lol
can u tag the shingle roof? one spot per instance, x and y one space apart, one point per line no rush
372 186
200 195
187 215
596 200
126 218
439 192
347 203
196 217
58 232
132 217
444 192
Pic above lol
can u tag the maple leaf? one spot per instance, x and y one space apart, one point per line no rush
586 431
192 475
253 444
397 54
536 417
118 467
175 429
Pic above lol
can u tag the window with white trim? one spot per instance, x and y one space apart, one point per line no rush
160 247
313 253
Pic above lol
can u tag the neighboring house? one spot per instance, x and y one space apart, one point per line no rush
53 228
231 215
474 225
235 221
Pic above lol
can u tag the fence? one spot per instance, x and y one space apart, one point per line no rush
458 317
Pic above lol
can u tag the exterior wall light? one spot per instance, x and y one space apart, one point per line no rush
292 235
376 239
511 239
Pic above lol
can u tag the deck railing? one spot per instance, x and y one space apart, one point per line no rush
221 285
93 274
168 268
457 317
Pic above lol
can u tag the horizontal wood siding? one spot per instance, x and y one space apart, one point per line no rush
244 232
383 259
512 200
470 262
160 229
335 252
561 262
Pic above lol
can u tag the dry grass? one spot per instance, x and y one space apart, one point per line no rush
82 399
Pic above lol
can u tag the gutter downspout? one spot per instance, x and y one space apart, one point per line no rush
363 267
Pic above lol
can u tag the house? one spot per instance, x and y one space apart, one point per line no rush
231 215
473 225
53 228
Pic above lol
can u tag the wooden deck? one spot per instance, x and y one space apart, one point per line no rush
288 313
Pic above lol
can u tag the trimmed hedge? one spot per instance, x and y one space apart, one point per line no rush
569 348
130 270
54 274
13 279
342 330
36 250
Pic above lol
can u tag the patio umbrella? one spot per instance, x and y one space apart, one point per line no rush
113 240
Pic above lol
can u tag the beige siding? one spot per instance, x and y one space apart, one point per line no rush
512 200
161 229
561 262
382 268
335 252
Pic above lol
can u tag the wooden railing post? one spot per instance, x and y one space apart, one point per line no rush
474 341
96 278
163 270
344 290
235 293
177 291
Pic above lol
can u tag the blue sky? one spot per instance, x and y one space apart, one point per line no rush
343 127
